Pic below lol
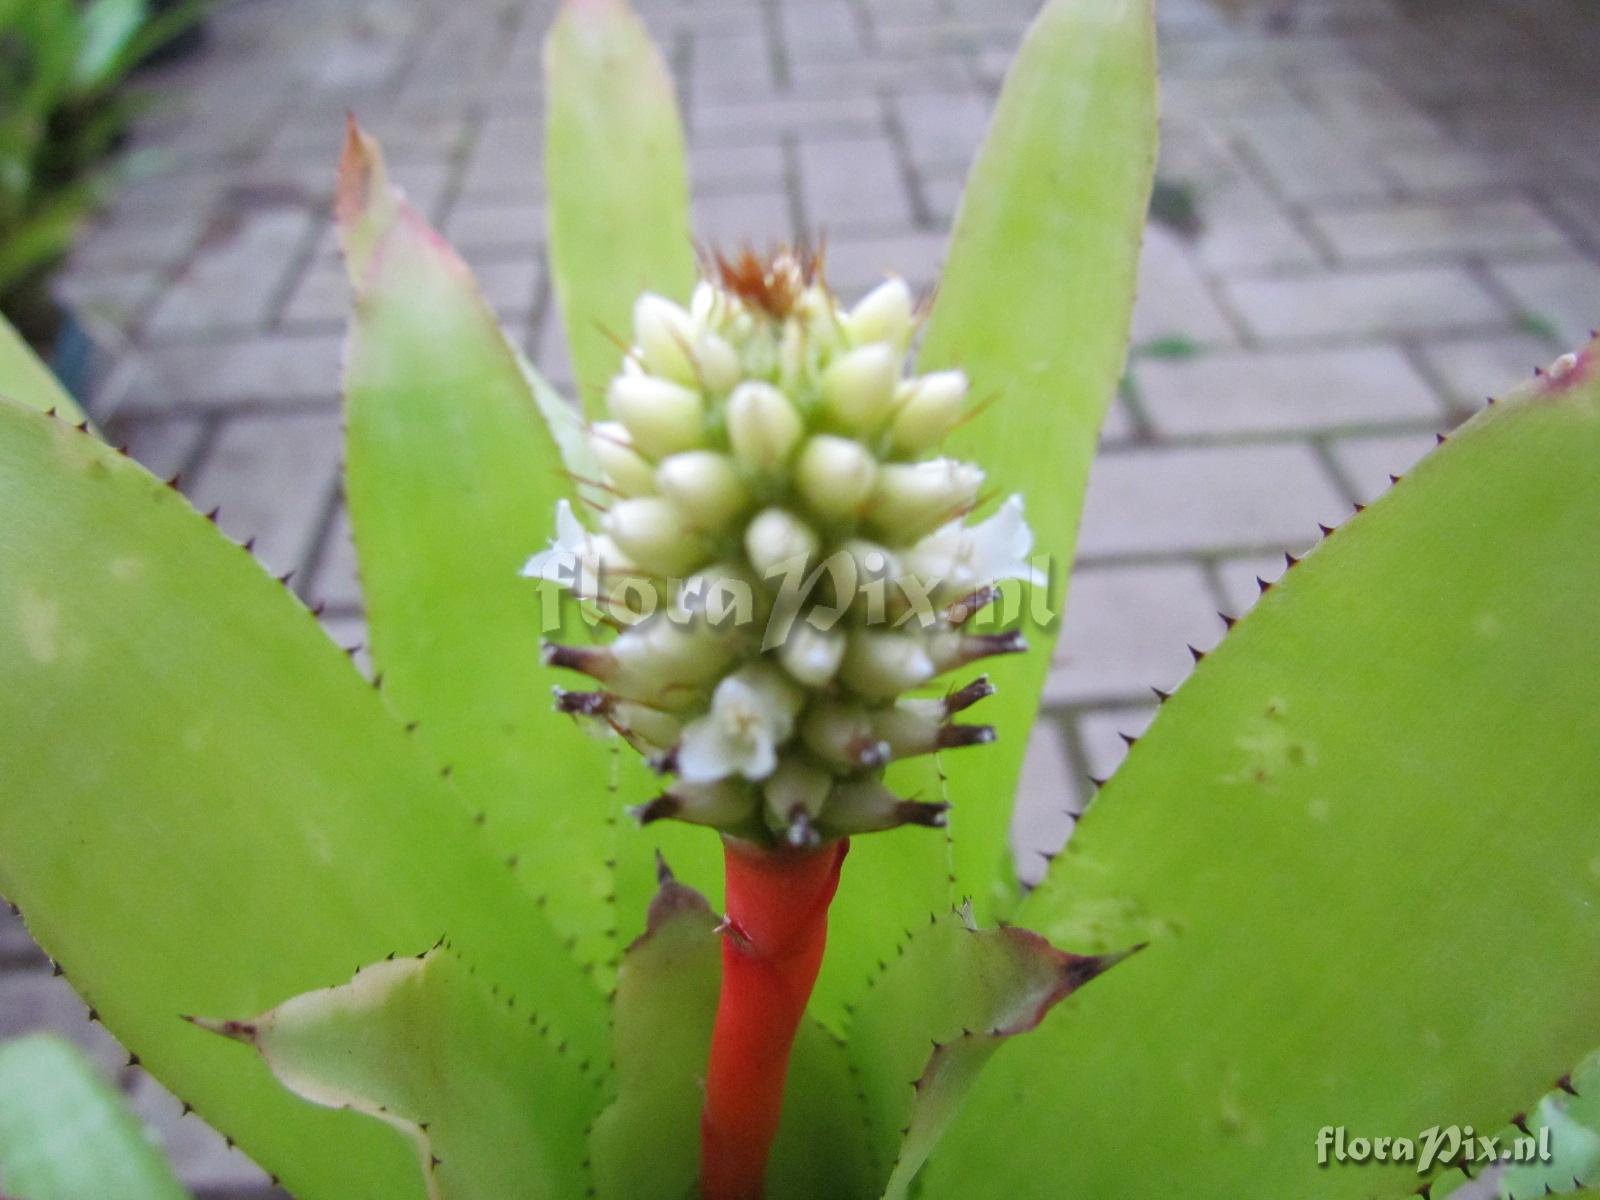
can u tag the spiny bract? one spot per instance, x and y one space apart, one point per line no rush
786 555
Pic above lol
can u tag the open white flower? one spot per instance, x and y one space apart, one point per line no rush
752 713
574 554
957 559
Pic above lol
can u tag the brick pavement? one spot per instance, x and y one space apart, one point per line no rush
1394 216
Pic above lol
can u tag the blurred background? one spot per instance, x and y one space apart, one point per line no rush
1371 214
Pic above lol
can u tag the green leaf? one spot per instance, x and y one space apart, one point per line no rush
108 27
940 1009
648 1142
452 480
66 1134
207 809
1567 1121
496 1109
25 378
1364 842
1034 305
618 187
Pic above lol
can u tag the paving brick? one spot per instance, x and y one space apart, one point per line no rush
1283 391
165 445
724 121
17 947
1174 301
1238 578
1369 461
1126 630
1473 369
852 184
1437 230
857 264
112 298
1047 792
234 277
336 583
1565 293
736 65
1359 304
35 1001
274 368
1100 733
272 476
1306 161
477 223
736 168
1439 165
509 280
320 298
504 162
759 218
943 128
1152 501
349 633
203 1159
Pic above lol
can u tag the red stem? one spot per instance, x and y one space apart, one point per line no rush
777 927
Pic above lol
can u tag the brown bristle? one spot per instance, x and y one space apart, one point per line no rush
773 282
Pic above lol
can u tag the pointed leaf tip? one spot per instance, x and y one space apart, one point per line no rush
365 203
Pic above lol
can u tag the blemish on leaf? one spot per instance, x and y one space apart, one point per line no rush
40 619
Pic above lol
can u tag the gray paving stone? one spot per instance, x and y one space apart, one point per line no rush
1365 304
943 128
201 1156
1306 161
35 1001
852 184
509 280
732 219
758 165
112 298
1153 501
1100 733
272 477
1047 793
336 583
1566 293
857 264
265 370
1126 630
1238 578
349 633
1439 230
1439 165
1283 391
1369 461
165 445
478 223
1473 369
1174 301
233 279
17 946
722 121
320 298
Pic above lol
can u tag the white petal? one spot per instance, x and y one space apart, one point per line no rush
707 752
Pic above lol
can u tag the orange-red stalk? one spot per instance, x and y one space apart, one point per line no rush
777 910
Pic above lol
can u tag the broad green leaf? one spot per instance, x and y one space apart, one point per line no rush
648 1142
205 808
66 1134
616 180
942 1007
108 27
452 481
646 1146
25 378
1364 843
1034 305
495 1108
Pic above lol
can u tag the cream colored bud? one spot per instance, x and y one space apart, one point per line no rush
624 467
666 337
662 417
721 804
812 655
653 533
835 475
844 737
762 426
795 793
929 409
867 806
663 659
914 498
704 485
879 664
882 315
718 362
642 723
858 387
776 539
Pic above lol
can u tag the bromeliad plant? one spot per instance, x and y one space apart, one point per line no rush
1360 847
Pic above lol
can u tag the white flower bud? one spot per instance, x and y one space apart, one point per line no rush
726 595
666 337
844 737
662 417
835 475
719 363
929 409
795 793
867 806
777 539
625 468
662 662
653 533
752 714
858 387
811 655
640 721
704 485
914 498
722 804
762 426
882 315
880 664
